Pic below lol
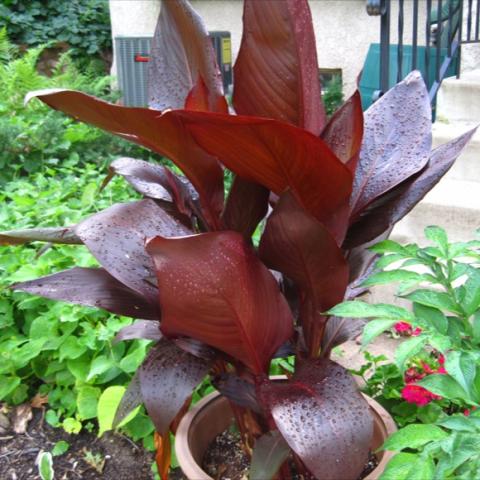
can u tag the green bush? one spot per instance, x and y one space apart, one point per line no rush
83 24
32 136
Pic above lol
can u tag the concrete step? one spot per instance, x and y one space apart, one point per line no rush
452 204
459 99
467 166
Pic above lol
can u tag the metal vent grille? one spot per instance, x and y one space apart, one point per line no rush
132 56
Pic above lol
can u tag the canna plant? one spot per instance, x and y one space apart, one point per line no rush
182 260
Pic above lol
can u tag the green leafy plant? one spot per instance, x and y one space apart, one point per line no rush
83 25
182 259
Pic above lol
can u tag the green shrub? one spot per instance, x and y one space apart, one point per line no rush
33 136
83 24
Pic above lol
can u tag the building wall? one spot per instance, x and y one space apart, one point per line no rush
343 29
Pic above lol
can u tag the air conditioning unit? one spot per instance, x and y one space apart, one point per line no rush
132 55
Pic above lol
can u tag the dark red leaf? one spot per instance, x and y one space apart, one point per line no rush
238 390
278 156
168 377
276 72
340 330
63 235
93 287
324 419
182 52
396 141
163 454
269 453
214 289
156 181
194 347
162 133
131 399
198 99
144 329
300 247
246 206
116 237
404 197
344 131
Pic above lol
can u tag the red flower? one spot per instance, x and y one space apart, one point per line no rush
403 327
412 375
418 395
441 359
468 411
416 332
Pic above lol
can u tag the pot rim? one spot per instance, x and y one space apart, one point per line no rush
185 457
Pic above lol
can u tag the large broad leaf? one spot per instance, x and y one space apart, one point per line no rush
300 247
144 329
403 198
182 52
396 141
344 131
168 377
276 72
238 390
63 235
116 237
93 287
269 453
214 289
324 419
246 206
278 156
162 133
156 181
340 330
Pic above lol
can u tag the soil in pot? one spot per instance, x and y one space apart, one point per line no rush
225 459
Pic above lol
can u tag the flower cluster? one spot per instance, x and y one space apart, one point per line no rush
417 394
406 329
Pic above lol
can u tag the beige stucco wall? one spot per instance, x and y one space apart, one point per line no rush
343 29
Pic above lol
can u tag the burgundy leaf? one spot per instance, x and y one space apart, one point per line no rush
269 453
278 156
63 235
376 220
144 329
396 141
162 133
276 72
168 377
324 419
93 287
340 330
194 347
116 237
156 181
301 248
246 206
131 399
344 131
182 52
214 289
238 390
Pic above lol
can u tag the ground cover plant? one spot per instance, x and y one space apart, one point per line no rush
439 365
182 259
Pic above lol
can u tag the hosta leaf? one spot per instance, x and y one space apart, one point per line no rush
116 237
432 298
462 367
182 51
359 309
434 318
145 329
414 436
407 194
276 72
396 141
131 399
229 300
344 131
246 206
168 377
155 181
63 235
305 410
93 287
279 156
269 452
444 385
162 133
398 468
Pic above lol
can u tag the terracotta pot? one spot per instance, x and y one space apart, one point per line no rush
212 415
